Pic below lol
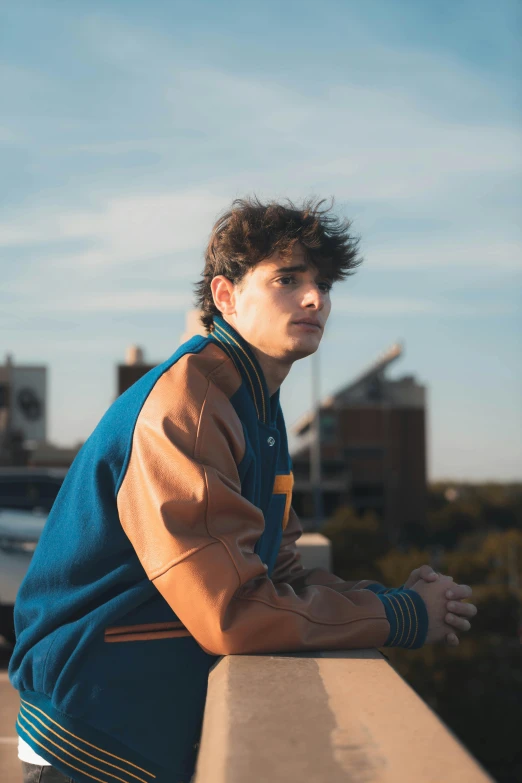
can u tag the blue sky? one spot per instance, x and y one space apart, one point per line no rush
126 127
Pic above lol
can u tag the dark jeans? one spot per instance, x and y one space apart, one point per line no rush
33 773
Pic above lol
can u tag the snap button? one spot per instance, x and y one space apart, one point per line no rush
271 441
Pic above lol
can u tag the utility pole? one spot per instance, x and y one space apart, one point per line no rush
315 444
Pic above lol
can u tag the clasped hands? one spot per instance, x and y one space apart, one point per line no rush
453 614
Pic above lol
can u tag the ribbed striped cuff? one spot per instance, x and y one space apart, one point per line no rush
406 612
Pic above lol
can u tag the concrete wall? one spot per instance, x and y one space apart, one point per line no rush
333 717
315 550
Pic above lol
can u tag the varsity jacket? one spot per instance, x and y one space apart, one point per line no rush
173 541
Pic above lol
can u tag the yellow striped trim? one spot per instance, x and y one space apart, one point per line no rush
283 485
68 752
410 624
394 597
244 367
253 365
396 620
416 618
112 755
71 766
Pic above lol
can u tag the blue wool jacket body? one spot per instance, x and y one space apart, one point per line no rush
113 653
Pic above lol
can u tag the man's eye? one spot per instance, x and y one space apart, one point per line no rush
286 280
325 287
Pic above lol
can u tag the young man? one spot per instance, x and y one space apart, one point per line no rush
173 538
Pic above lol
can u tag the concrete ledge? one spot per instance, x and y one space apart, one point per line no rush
315 550
327 717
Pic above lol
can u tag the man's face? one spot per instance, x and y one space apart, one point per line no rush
281 306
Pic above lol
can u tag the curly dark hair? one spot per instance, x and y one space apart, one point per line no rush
251 231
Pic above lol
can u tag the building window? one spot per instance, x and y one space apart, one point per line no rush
356 452
328 427
333 469
4 395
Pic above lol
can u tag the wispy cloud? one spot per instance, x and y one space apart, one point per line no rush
461 252
7 136
384 307
125 227
143 301
124 137
369 145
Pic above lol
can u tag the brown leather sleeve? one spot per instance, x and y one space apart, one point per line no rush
288 566
181 506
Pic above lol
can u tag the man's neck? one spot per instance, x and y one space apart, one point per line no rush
274 370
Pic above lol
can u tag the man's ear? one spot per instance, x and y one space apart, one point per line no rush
223 293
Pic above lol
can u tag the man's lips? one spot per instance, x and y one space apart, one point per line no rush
308 322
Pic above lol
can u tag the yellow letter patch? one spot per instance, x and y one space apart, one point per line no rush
283 485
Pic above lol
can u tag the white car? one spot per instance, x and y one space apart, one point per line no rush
19 534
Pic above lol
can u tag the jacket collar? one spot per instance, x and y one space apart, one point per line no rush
247 365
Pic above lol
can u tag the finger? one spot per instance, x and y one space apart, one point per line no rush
413 577
452 640
462 609
426 573
459 591
460 623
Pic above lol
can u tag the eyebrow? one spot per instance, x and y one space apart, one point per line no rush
299 268
295 268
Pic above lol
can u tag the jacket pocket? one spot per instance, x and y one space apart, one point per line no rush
145 632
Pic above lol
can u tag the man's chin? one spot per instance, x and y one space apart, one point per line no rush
303 348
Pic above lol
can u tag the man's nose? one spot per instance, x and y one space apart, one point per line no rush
314 298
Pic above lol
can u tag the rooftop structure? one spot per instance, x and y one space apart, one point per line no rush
372 435
23 410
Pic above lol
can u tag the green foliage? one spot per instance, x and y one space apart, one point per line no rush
357 543
396 565
481 559
490 559
474 534
458 510
476 689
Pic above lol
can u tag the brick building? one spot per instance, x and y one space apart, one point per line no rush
372 450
